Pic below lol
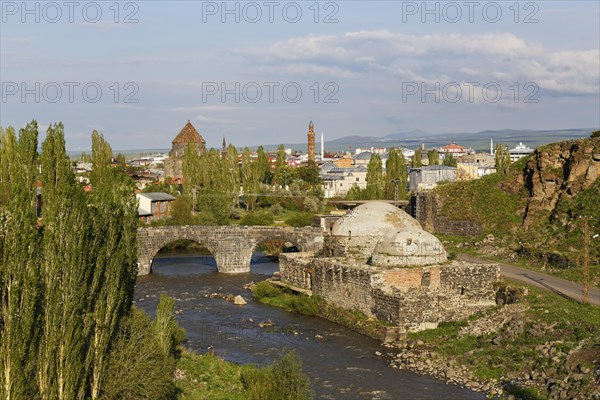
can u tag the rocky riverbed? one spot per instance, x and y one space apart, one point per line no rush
560 370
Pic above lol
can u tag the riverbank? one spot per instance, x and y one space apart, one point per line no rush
541 346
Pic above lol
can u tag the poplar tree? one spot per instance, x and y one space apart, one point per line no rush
434 157
263 166
114 206
232 174
502 158
417 159
395 168
375 182
449 160
250 175
20 291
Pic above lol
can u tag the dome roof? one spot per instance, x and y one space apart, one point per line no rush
374 219
408 248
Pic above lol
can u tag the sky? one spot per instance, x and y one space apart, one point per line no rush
258 72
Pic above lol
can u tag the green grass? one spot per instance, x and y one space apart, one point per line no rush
207 377
287 299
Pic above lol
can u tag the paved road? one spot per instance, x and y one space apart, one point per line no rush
562 287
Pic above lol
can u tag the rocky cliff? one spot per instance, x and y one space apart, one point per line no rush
559 172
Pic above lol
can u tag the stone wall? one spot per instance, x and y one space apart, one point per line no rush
412 299
424 208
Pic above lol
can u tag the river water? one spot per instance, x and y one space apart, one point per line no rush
341 364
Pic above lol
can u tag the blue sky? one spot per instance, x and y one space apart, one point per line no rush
363 68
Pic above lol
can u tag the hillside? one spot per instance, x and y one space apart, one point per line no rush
537 209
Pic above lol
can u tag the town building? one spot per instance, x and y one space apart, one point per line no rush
154 206
338 181
174 164
455 150
519 152
469 171
427 177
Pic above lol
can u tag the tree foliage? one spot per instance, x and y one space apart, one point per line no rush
396 174
375 182
502 158
66 281
434 157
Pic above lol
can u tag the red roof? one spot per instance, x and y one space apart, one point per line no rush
189 134
453 146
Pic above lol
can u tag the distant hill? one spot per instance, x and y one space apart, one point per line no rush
477 140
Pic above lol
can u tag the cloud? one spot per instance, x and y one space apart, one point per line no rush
500 57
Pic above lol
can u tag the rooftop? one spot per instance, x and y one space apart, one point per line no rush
189 134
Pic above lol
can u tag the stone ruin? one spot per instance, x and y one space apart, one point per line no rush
378 260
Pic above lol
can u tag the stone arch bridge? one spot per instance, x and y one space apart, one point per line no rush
232 246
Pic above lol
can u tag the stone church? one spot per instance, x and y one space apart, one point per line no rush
174 164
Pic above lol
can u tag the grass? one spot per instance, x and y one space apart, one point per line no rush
287 299
208 377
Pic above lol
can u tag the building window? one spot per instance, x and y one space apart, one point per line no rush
357 179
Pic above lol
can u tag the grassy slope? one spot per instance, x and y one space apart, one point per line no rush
567 323
498 203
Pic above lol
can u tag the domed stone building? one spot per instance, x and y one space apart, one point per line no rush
378 260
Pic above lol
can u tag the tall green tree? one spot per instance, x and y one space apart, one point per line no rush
375 182
395 169
449 160
281 157
251 178
434 157
263 166
114 206
416 160
20 290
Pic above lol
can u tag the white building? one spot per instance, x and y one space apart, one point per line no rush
519 152
338 181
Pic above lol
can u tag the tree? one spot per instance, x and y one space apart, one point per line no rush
281 157
20 290
251 178
120 157
263 166
309 173
395 169
449 160
285 176
355 193
232 174
416 160
595 134
181 211
502 158
375 182
433 157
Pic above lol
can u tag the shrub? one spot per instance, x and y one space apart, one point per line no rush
265 289
282 380
138 368
299 220
258 218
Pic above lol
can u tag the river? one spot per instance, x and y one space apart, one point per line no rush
340 363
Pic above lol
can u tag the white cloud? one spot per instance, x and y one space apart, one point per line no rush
453 57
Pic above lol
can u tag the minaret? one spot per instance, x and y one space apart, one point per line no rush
311 141
491 146
322 147
224 149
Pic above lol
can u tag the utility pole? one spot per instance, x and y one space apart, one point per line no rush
396 181
585 298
